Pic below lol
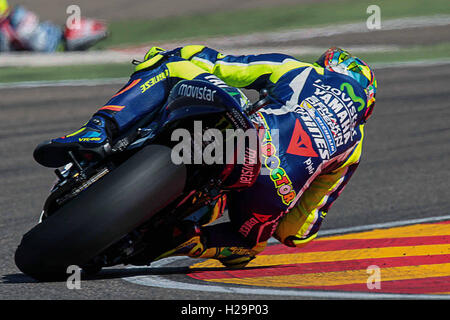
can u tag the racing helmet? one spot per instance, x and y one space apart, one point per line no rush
4 9
341 61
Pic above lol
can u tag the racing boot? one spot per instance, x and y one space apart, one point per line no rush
187 240
91 142
192 243
234 257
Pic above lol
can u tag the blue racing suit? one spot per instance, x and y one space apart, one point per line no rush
311 145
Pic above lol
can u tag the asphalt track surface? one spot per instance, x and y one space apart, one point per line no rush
143 9
404 173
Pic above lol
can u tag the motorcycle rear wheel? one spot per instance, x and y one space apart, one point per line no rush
102 214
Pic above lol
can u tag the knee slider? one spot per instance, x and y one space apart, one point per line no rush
294 241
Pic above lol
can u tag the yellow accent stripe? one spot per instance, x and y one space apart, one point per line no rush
355 156
240 75
304 242
76 132
279 71
439 292
148 63
342 277
339 255
202 63
188 51
184 70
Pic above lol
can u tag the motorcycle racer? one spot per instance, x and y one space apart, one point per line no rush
20 29
311 146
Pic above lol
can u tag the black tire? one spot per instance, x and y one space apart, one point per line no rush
102 214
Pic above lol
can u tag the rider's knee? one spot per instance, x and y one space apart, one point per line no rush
295 241
297 229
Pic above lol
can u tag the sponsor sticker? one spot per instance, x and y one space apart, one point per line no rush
202 93
271 163
154 80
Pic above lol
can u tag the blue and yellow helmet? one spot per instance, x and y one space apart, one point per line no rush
4 8
341 61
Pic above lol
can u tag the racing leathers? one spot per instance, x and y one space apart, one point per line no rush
310 148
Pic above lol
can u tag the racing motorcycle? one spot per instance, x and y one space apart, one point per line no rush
115 210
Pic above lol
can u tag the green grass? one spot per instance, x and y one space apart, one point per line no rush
101 71
105 71
438 51
263 19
